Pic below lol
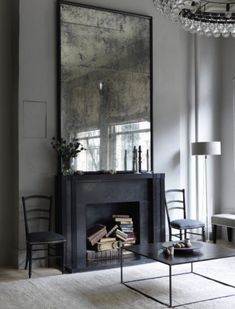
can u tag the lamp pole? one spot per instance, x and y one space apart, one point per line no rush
206 198
205 149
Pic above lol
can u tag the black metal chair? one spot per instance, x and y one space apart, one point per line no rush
175 201
39 237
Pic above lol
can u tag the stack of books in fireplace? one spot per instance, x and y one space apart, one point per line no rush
125 232
96 237
104 242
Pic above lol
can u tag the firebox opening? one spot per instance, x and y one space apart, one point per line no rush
110 226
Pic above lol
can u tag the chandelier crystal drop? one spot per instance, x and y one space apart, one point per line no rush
210 18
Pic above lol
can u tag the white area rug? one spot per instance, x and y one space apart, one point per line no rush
102 289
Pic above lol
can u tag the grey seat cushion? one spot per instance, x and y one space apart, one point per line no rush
223 219
186 224
43 237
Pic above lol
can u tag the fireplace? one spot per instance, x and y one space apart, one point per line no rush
85 200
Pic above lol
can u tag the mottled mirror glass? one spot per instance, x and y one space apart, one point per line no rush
105 86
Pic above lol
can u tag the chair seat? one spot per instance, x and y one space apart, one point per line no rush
224 219
187 224
45 237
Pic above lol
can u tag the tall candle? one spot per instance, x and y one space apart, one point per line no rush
140 159
147 159
125 160
134 160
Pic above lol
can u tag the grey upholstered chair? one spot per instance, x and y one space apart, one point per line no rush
175 201
39 236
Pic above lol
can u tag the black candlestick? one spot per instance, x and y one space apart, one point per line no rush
140 159
134 160
147 159
125 160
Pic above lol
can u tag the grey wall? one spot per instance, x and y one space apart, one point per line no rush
8 123
227 72
205 124
228 128
171 68
173 100
37 83
37 101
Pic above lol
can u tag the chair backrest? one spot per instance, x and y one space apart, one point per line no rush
175 201
37 213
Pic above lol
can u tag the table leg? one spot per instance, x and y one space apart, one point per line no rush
214 230
170 286
121 264
230 233
191 267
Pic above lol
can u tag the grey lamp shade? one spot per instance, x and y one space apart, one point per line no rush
206 148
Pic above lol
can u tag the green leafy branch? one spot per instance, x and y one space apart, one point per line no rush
67 150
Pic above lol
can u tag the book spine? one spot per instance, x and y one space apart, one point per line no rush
106 255
107 239
112 230
127 245
123 220
94 235
120 216
112 245
102 255
119 232
126 225
93 241
128 239
97 235
131 235
127 230
120 237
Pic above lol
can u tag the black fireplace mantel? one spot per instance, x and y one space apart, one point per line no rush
83 199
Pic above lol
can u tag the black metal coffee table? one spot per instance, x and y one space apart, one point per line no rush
155 252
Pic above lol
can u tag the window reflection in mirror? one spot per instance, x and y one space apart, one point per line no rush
121 140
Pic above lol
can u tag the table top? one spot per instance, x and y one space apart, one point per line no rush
206 252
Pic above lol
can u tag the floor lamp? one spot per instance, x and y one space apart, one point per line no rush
206 149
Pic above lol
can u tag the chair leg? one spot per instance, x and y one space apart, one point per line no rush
180 234
185 234
30 261
48 256
203 234
170 234
27 256
63 258
230 233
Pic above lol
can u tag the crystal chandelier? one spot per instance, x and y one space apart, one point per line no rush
211 18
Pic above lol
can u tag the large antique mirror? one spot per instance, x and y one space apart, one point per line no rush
105 85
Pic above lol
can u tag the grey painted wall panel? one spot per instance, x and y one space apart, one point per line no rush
34 119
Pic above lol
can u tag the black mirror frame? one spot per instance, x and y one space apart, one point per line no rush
58 79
